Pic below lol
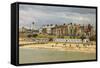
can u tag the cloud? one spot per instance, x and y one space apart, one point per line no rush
43 15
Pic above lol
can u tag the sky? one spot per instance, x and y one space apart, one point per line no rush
43 15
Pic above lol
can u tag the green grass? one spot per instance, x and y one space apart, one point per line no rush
53 36
46 36
50 36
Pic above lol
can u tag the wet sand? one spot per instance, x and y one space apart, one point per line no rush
62 47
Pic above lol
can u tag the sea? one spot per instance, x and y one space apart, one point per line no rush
41 55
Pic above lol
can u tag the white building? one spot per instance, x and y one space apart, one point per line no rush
48 28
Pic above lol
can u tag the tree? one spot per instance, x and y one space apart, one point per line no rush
32 25
35 35
50 39
82 37
29 35
92 38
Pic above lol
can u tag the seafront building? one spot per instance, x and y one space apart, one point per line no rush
47 29
60 31
68 30
63 30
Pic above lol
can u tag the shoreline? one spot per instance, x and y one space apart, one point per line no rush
61 47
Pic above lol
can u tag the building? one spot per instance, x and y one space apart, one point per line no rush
47 29
68 30
59 30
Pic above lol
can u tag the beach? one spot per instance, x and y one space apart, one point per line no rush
61 46
30 52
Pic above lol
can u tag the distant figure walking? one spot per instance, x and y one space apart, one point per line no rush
52 45
64 44
70 45
77 45
56 44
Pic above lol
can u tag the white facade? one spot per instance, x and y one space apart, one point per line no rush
48 28
71 40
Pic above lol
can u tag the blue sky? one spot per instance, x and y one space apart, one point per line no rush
43 15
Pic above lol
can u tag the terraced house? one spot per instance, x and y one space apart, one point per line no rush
68 30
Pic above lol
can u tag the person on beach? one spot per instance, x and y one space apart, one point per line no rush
70 45
56 43
52 45
64 44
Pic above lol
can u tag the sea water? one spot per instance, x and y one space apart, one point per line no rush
37 55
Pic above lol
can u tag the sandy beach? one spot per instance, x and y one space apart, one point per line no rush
60 46
31 52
